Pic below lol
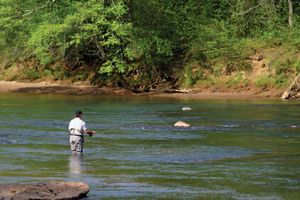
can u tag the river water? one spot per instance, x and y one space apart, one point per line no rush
247 149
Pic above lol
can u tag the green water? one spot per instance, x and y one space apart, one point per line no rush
233 150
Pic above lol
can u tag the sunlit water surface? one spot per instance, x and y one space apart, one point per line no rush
246 149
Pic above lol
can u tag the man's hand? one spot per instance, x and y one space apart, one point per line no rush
90 133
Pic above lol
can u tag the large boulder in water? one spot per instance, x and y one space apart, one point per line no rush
43 191
181 124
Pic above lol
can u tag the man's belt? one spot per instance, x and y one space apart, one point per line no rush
77 135
73 129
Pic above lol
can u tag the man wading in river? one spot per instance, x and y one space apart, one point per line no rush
77 130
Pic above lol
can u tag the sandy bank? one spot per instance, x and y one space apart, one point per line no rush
86 89
58 88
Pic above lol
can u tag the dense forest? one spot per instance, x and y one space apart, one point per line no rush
148 44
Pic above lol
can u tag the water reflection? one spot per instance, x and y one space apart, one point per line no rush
76 164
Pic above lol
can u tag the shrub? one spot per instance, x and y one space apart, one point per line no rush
236 80
192 74
29 74
265 81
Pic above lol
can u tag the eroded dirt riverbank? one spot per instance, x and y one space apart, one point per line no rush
86 89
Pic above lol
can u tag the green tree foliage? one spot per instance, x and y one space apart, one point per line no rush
161 33
78 32
93 33
142 42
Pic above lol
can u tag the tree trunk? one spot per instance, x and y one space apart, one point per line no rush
292 91
290 13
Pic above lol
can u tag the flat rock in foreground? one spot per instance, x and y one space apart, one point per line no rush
43 191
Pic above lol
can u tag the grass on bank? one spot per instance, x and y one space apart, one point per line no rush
262 67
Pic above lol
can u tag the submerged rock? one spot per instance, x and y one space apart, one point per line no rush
181 124
53 190
186 108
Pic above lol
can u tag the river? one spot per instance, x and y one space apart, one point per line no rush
234 149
